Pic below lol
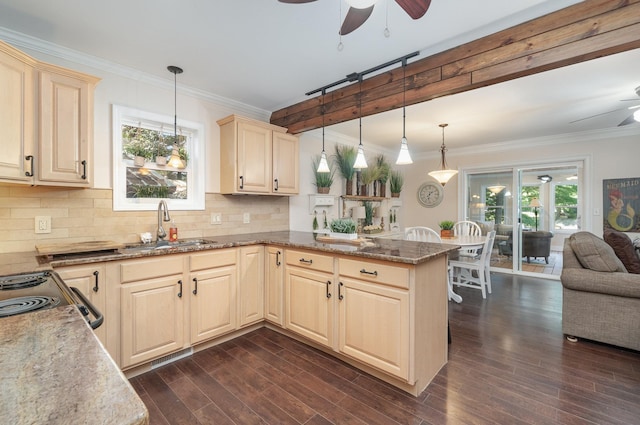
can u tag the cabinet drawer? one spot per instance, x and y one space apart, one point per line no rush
309 260
212 259
165 265
375 272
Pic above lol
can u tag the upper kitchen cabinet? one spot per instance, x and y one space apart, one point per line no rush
46 122
257 158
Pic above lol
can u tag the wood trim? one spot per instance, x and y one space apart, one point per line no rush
578 33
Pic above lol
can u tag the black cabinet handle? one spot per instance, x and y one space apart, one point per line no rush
328 293
30 159
98 316
180 293
373 273
278 258
95 288
302 260
195 290
276 188
84 169
340 296
241 182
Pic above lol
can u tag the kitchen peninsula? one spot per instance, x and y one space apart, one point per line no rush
380 306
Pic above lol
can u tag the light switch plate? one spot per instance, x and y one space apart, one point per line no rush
246 218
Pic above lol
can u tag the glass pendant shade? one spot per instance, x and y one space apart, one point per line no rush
404 157
174 159
361 162
443 175
323 167
496 189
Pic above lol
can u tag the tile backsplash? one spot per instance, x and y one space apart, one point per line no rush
79 215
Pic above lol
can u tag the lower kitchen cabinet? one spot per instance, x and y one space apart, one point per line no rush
274 285
308 292
90 280
251 285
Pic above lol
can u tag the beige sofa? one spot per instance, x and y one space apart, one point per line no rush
600 299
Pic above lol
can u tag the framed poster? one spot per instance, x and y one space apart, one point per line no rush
621 204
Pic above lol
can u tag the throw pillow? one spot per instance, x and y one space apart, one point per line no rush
594 253
624 249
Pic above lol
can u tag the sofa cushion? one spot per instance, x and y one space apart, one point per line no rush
594 253
624 249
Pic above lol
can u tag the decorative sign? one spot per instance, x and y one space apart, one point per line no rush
621 204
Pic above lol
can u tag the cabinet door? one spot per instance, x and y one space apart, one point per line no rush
90 280
151 319
251 285
308 306
65 130
285 163
274 286
213 301
374 325
16 116
254 158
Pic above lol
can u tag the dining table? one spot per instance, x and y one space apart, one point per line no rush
465 242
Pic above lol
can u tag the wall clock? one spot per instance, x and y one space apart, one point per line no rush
430 194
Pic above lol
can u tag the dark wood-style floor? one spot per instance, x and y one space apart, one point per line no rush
508 364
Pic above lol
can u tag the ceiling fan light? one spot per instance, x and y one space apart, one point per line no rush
323 166
361 4
404 157
636 115
361 161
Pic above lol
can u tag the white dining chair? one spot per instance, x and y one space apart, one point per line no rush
421 234
474 272
467 228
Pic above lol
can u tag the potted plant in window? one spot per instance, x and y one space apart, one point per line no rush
343 228
396 181
367 177
446 228
385 170
137 150
323 180
345 157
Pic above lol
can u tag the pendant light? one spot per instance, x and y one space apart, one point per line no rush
174 160
443 174
404 157
361 161
323 167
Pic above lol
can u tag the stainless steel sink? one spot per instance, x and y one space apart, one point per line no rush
166 245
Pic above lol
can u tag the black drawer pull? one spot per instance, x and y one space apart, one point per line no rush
95 288
302 260
195 290
84 170
278 258
241 182
328 293
373 273
340 296
30 159
276 186
180 293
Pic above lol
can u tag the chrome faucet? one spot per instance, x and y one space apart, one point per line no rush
166 217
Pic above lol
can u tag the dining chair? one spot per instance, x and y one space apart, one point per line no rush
467 228
421 234
474 272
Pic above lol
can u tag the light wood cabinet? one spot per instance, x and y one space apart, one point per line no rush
251 285
308 296
46 122
213 283
274 285
90 280
257 158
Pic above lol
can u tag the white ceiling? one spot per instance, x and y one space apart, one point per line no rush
267 54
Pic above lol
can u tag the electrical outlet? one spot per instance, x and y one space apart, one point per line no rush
43 224
216 218
246 218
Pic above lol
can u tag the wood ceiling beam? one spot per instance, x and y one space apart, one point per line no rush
578 33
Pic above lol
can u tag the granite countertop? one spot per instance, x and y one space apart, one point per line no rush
55 371
393 250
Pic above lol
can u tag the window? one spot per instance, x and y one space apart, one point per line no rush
142 143
566 207
531 216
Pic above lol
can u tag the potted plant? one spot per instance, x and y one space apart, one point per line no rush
367 177
343 228
396 180
345 157
323 180
446 228
385 169
137 150
162 151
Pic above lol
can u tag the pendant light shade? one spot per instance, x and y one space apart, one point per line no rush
404 157
443 174
174 160
323 166
361 161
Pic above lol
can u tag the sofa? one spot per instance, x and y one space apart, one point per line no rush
534 244
600 299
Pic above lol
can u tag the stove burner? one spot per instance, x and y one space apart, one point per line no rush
21 305
22 281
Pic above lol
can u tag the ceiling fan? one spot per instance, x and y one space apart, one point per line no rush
634 117
360 10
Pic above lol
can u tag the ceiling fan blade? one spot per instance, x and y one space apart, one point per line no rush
415 8
593 116
296 1
355 18
627 121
